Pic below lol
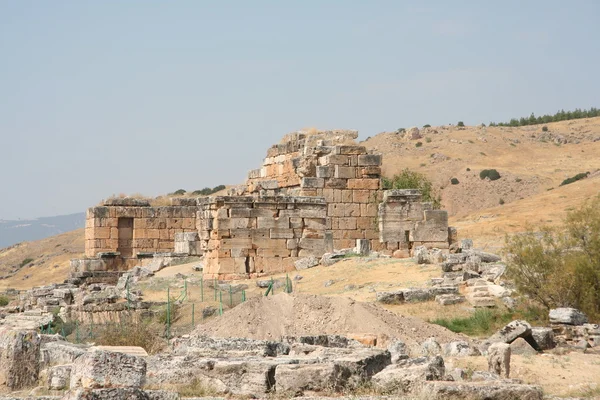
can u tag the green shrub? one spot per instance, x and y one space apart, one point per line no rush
179 192
460 123
518 180
408 179
575 178
426 126
560 266
25 262
418 144
544 128
468 169
4 301
454 181
428 139
501 201
492 174
400 130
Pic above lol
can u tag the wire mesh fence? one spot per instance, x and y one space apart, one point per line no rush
185 303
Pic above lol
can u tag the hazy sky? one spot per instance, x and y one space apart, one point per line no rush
103 97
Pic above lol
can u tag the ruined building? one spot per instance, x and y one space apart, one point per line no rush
314 193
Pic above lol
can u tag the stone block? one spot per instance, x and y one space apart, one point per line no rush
19 358
351 149
334 159
324 171
283 222
372 184
369 160
343 172
567 316
312 183
281 233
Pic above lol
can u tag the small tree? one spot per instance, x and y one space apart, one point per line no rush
460 123
454 181
560 267
408 179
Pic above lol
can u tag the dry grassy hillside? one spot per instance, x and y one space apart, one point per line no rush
529 160
532 163
49 260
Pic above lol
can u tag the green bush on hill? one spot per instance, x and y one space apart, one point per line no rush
408 179
492 174
575 178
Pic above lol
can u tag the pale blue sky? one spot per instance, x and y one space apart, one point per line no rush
103 97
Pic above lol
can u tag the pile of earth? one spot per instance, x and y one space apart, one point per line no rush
271 318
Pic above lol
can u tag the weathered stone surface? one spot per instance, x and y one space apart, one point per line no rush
511 331
60 352
19 358
422 255
408 375
543 337
120 394
459 348
466 244
204 346
58 377
103 369
479 391
306 262
499 359
431 347
568 316
363 247
521 347
398 350
448 299
295 379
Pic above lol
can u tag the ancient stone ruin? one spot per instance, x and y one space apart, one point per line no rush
314 193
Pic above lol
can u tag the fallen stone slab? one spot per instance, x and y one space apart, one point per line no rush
408 375
120 394
19 358
205 346
449 299
104 369
543 337
129 350
459 348
521 347
295 379
567 316
479 391
307 262
60 353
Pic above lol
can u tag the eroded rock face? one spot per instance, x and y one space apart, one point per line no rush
120 394
567 316
480 391
499 359
104 369
19 358
407 375
543 337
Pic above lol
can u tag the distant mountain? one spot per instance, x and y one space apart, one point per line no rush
12 232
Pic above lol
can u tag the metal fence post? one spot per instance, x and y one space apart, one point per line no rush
220 303
168 314
193 312
202 289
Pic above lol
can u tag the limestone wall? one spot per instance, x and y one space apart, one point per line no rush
331 165
405 222
153 229
245 235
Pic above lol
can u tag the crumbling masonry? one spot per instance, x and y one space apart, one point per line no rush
314 193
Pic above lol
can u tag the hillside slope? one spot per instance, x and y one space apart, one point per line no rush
15 231
530 160
40 262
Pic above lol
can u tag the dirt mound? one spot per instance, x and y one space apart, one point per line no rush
301 314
